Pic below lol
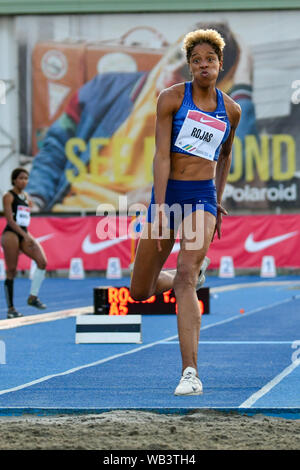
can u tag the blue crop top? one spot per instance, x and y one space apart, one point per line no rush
199 133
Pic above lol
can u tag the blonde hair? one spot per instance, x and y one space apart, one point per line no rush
201 36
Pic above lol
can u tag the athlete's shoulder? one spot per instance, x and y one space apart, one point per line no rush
9 194
8 197
173 92
172 96
233 110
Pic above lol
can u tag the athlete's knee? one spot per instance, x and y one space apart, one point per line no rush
41 260
139 293
42 264
186 277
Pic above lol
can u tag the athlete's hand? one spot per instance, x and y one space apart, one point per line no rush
220 212
34 207
160 229
29 240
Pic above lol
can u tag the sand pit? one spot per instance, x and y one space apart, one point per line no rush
140 430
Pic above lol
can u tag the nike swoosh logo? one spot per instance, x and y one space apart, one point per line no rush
44 238
252 246
89 247
220 117
205 120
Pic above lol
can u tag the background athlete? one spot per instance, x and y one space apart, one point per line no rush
190 168
16 238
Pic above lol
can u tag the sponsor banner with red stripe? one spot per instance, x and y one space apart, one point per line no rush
246 238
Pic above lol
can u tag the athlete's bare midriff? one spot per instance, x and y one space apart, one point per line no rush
187 167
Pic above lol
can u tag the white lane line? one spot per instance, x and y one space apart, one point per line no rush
266 388
132 351
7 324
231 287
85 366
235 342
246 314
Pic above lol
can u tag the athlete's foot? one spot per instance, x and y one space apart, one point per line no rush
201 278
189 383
34 301
13 313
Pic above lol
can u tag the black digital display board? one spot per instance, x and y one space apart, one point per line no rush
110 300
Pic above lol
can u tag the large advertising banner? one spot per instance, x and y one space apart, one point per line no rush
88 91
247 239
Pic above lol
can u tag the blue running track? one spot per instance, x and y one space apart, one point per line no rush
248 362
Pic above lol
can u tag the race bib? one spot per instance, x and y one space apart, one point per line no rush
23 216
201 134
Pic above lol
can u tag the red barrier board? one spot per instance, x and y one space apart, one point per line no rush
246 238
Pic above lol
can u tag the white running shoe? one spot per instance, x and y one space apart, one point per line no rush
201 278
189 383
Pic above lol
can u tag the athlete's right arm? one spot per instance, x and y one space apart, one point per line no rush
7 202
166 106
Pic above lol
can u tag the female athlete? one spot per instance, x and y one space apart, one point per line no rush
195 128
16 238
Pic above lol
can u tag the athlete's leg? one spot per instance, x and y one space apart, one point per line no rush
34 250
188 265
147 277
153 280
10 244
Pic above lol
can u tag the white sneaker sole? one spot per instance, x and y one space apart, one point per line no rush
200 392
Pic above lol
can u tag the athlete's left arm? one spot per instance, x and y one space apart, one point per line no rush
224 160
29 200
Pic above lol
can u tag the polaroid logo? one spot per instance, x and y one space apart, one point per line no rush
2 92
249 193
2 352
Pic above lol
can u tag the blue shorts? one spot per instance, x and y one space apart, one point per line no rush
186 197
